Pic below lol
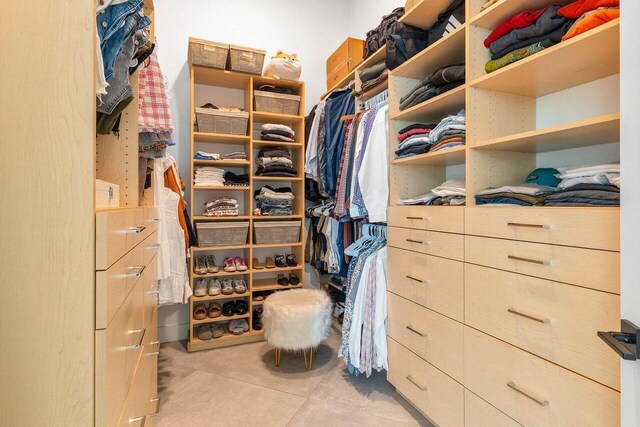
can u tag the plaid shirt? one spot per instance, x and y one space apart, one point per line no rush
155 115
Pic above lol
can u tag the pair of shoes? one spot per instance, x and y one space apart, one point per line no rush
229 286
238 326
291 280
201 311
268 263
234 264
205 264
235 308
202 289
283 261
256 321
212 331
260 296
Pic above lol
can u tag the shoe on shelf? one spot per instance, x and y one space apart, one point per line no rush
200 289
204 333
280 261
200 312
256 320
214 310
199 265
293 279
282 281
239 286
256 264
214 288
216 331
258 296
269 262
227 287
229 265
291 261
229 308
241 307
238 326
210 260
240 264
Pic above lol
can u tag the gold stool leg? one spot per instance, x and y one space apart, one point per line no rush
278 356
310 358
304 354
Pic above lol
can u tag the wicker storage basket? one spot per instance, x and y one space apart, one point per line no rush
208 54
271 233
246 60
277 103
226 122
211 234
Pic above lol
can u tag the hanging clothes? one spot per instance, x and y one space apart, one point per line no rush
173 181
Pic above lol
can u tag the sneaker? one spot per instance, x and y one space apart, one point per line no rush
200 289
240 264
238 326
210 261
239 286
229 265
214 288
216 331
227 287
200 266
280 261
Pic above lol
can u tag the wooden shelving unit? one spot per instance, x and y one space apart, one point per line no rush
257 280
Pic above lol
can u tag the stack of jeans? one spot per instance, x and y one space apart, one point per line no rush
275 161
235 180
274 201
521 195
439 82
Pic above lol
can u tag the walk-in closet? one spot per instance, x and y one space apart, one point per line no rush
346 213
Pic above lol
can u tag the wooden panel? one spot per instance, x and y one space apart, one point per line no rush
447 103
138 405
448 157
430 335
150 247
445 245
435 394
151 291
478 413
573 315
449 219
596 228
47 99
583 267
548 394
439 285
117 232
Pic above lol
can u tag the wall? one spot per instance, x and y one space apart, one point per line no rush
366 14
305 27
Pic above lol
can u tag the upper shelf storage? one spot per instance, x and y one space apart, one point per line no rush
491 17
590 56
425 13
220 78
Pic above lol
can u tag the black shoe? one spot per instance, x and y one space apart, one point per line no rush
291 261
229 308
241 307
280 261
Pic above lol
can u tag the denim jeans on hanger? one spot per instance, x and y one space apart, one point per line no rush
339 103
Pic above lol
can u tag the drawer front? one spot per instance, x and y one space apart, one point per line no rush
150 247
583 267
430 335
114 284
533 391
478 413
117 232
449 219
435 394
433 282
118 350
142 404
597 228
151 292
444 245
556 321
151 219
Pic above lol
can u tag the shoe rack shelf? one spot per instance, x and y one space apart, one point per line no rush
205 87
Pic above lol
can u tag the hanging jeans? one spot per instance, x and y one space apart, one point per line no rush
339 103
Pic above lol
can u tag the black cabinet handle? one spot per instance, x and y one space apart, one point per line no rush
625 342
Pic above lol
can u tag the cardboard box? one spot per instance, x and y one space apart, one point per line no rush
410 5
337 75
349 53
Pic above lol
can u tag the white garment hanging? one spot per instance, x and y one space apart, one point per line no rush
311 156
373 173
380 315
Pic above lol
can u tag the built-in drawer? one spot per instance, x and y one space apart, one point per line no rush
553 320
584 267
449 219
151 219
533 391
445 245
478 413
118 350
436 283
434 393
597 228
113 285
142 403
117 232
430 335
151 291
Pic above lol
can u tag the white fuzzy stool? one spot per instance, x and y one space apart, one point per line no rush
299 319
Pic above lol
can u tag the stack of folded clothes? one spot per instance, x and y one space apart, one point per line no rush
207 176
275 132
203 155
235 155
450 193
597 185
274 89
414 140
441 81
275 161
274 201
538 186
234 180
450 132
532 31
373 76
224 206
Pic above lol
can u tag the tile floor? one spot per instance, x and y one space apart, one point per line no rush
241 386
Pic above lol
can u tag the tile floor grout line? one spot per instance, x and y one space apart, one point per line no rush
296 413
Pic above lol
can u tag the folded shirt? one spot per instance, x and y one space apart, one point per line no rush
276 151
203 155
589 170
448 143
276 171
415 131
555 36
527 189
578 8
277 127
517 55
590 20
521 20
275 137
416 126
266 161
235 155
375 82
417 200
449 201
452 187
373 72
511 197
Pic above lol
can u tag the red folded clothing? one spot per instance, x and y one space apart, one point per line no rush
578 8
521 20
417 131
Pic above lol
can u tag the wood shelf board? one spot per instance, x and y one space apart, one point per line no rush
425 13
289 84
377 57
342 83
221 162
277 217
227 340
221 188
277 178
220 78
447 157
283 143
220 138
221 273
253 302
197 300
261 116
583 133
492 16
590 56
435 108
220 218
218 248
271 285
219 319
279 245
374 91
446 51
276 270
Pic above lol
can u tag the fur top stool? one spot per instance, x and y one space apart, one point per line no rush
299 319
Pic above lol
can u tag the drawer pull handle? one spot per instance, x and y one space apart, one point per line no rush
157 402
523 225
412 329
138 273
152 292
152 220
154 353
418 280
529 316
420 242
532 261
540 402
139 345
153 248
136 230
412 381
419 218
137 420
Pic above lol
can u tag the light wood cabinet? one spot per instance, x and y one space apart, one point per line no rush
449 219
479 413
446 245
